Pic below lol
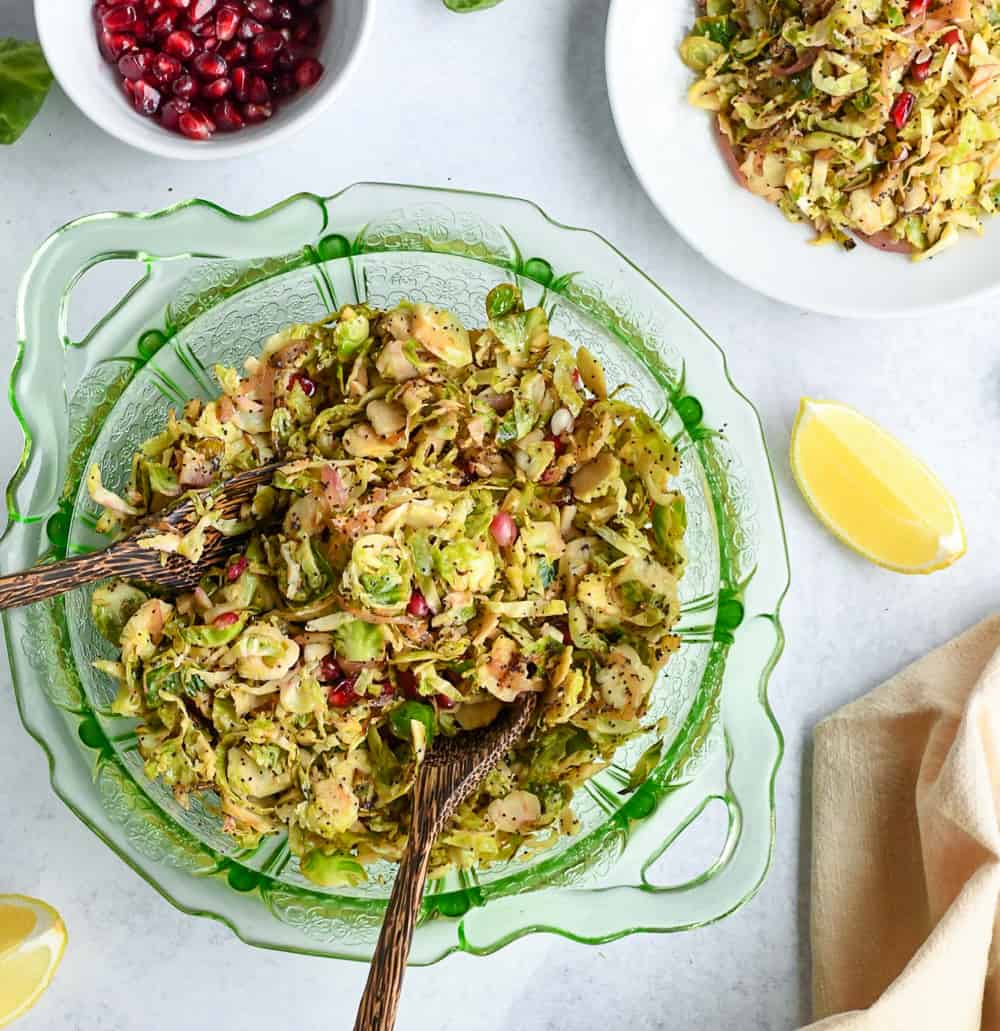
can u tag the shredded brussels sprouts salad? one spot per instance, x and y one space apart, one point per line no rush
461 517
876 119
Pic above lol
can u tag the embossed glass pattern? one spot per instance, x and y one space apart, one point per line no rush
214 286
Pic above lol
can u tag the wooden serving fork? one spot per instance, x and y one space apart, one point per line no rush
450 772
127 558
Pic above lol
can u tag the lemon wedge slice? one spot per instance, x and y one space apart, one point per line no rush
32 939
871 492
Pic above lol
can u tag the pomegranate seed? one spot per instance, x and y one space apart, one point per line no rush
133 65
257 112
180 44
258 93
407 683
329 671
249 28
306 31
290 55
180 5
342 697
283 85
114 44
265 47
902 108
227 21
209 66
504 529
262 10
119 19
203 30
196 125
418 606
234 52
185 87
308 72
237 568
143 32
145 97
202 9
166 68
444 702
557 442
225 618
152 7
217 88
953 38
283 15
227 118
163 24
917 8
241 84
171 112
306 385
921 69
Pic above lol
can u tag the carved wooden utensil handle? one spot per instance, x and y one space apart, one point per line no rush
126 558
380 1001
450 772
58 577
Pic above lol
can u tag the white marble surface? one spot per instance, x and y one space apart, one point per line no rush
514 101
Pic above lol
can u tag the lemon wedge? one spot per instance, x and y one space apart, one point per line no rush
871 492
32 939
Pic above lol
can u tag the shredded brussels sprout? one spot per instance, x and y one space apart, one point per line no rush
865 118
460 516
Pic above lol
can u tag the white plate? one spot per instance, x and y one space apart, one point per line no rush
673 151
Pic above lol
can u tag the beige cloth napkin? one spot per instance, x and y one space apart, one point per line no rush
906 848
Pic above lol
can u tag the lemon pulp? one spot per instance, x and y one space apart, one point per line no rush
872 492
32 939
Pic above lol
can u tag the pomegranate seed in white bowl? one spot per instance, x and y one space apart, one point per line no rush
242 76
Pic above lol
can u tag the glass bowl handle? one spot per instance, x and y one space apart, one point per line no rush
45 348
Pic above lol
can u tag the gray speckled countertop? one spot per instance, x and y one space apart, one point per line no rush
536 125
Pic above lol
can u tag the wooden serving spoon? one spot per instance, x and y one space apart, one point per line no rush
127 558
450 772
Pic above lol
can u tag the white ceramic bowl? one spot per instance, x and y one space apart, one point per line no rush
673 151
66 31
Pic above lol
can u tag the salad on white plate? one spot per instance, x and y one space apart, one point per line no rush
870 169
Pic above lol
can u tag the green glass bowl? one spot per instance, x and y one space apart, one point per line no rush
212 287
